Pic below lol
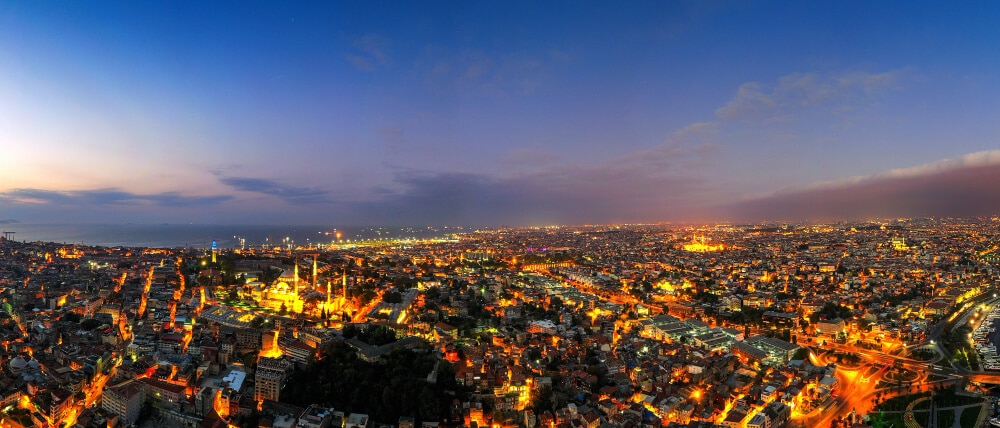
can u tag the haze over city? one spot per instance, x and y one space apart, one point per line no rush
488 113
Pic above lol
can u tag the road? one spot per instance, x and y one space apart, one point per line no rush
856 393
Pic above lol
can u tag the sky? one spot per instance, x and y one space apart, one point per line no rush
497 113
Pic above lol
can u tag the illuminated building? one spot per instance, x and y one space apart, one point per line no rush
899 243
163 391
271 375
269 344
282 294
298 351
315 417
830 328
61 404
215 251
124 400
334 305
357 420
699 245
764 350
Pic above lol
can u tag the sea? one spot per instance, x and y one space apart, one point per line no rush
201 235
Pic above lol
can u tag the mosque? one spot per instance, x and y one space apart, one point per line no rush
290 292
699 244
286 291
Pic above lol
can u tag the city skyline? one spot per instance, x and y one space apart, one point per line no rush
483 114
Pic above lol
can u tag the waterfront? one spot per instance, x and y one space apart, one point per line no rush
201 235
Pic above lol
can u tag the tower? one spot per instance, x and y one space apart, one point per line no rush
215 250
314 271
295 281
328 295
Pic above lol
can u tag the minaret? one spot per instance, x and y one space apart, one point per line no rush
296 280
344 284
314 272
215 250
328 290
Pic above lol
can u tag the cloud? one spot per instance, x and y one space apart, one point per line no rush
749 102
530 158
627 189
289 194
473 72
369 52
754 100
960 187
690 146
105 197
391 134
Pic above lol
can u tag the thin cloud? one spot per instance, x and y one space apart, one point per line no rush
611 192
977 159
106 197
472 72
960 187
750 102
369 52
285 192
754 100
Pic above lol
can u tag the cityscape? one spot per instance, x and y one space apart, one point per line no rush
887 323
517 214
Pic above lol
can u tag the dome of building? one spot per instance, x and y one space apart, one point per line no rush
34 364
18 364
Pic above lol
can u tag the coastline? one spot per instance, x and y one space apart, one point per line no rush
202 235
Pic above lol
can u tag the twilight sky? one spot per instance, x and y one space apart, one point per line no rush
481 113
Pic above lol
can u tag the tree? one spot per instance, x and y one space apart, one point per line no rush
543 401
392 297
257 322
269 275
832 310
90 324
204 280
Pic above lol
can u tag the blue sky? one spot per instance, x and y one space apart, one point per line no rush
487 113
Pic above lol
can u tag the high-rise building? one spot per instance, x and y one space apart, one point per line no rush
124 400
271 375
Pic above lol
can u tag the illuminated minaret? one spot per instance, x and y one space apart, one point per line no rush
215 250
314 272
344 284
296 280
328 292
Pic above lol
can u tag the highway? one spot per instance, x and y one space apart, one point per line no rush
856 393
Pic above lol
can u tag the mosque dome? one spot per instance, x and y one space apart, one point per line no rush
18 364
